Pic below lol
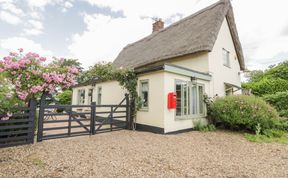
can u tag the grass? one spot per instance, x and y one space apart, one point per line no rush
270 136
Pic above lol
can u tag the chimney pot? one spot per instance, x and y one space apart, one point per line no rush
157 25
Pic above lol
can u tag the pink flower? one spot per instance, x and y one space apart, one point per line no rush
1 70
20 50
13 54
5 118
9 114
73 70
43 59
22 95
36 89
34 72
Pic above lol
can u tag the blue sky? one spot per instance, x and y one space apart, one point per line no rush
97 30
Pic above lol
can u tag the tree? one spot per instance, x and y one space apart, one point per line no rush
29 76
254 75
270 81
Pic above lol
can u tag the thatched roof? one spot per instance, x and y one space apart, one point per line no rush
195 33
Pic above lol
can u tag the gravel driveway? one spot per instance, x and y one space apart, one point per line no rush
143 154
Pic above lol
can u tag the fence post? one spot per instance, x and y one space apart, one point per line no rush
93 118
127 111
32 118
69 121
111 118
41 117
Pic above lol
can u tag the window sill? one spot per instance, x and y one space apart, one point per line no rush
144 109
189 117
227 66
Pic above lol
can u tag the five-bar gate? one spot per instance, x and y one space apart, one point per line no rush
58 121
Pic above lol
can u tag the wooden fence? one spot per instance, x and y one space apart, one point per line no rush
73 120
20 128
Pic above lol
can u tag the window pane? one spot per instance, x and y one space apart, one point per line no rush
225 55
194 100
201 98
178 99
81 96
99 97
144 93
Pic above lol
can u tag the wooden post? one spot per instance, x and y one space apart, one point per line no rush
131 113
41 117
93 118
69 121
127 111
32 118
111 118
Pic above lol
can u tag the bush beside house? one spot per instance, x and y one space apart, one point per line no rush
243 113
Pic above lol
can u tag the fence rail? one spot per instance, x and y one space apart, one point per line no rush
20 128
81 119
75 120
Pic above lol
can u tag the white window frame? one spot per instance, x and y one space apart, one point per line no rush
144 108
226 57
81 101
99 95
189 101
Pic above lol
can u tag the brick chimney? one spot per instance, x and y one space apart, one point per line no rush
158 25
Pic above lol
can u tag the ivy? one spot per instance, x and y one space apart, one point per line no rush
127 78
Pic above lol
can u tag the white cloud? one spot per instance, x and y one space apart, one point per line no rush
32 32
260 26
33 27
38 3
67 5
9 6
105 37
159 8
9 18
12 44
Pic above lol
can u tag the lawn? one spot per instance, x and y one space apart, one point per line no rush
143 154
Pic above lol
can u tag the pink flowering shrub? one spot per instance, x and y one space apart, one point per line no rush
30 76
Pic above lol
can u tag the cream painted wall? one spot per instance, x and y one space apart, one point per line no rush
112 92
221 73
75 94
154 116
172 123
198 62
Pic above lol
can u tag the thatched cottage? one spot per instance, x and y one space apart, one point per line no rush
196 55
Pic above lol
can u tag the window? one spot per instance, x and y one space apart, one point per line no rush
81 96
189 99
90 96
228 90
144 93
226 57
99 96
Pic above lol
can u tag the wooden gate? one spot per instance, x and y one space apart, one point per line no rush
58 121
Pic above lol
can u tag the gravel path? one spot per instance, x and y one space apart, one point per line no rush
143 154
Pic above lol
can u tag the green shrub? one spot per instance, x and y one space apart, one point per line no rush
274 133
203 127
243 113
278 100
267 86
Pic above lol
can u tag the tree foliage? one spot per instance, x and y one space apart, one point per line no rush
270 81
64 97
106 71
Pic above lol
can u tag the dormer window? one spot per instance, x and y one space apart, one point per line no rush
226 57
